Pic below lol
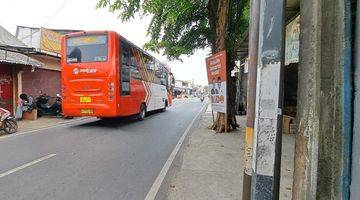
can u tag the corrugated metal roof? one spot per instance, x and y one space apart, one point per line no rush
6 38
18 58
9 55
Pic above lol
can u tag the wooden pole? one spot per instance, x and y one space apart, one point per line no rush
251 96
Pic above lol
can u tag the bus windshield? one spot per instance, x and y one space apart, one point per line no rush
88 48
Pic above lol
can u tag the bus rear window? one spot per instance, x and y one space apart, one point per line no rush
88 48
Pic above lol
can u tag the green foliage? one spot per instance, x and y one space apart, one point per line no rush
238 23
179 27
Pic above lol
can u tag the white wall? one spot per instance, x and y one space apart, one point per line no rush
29 36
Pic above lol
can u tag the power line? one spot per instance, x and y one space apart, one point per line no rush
51 18
57 12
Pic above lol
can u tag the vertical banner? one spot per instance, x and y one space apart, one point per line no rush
216 71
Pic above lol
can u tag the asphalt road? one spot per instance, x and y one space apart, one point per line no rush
96 159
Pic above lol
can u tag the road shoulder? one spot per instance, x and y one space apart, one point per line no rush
158 189
210 166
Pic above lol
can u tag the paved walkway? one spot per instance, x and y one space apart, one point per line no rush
212 166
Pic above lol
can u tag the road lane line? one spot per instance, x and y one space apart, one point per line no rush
26 165
160 178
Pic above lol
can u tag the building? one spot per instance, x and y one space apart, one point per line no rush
183 88
12 62
321 83
45 44
290 70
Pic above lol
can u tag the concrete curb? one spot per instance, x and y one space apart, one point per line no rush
160 187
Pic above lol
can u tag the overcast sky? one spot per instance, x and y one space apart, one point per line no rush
81 14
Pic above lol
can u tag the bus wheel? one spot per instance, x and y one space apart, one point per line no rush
142 112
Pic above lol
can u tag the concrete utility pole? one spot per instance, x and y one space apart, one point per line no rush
355 168
269 101
251 95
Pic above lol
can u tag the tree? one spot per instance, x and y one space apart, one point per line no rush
179 27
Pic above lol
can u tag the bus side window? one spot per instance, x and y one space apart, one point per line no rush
125 80
135 73
165 79
125 69
158 73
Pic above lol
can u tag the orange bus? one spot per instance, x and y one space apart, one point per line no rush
105 75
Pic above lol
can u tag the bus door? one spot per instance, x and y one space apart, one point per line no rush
126 95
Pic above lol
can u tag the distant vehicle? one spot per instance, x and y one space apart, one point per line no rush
7 122
105 75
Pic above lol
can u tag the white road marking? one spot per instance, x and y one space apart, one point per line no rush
160 178
26 165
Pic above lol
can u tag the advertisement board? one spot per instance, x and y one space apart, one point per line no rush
216 72
50 40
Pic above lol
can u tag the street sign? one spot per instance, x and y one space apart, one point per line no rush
216 72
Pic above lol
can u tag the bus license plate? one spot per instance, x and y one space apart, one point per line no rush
85 99
87 111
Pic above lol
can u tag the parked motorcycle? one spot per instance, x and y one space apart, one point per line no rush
44 107
7 122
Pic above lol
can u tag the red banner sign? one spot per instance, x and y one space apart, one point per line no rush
216 71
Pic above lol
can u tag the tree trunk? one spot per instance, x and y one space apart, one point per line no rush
231 88
225 122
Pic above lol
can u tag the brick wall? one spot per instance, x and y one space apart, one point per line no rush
41 81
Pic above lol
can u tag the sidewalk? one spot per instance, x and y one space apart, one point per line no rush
212 165
42 122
